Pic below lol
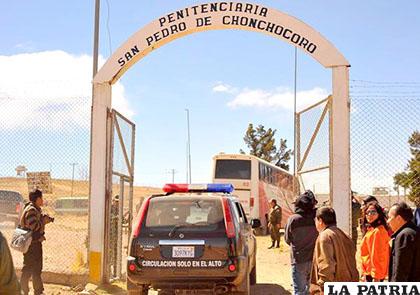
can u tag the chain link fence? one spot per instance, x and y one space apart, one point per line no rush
384 116
45 144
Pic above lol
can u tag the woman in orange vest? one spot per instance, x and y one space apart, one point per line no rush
374 249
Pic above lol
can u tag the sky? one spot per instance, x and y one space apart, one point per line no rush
227 79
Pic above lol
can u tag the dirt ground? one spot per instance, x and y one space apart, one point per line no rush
273 274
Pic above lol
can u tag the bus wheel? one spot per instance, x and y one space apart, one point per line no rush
261 231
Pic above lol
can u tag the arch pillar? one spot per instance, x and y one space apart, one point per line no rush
99 173
340 190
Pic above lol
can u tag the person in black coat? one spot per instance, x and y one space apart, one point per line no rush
404 265
301 233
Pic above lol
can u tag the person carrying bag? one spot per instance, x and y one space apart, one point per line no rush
33 221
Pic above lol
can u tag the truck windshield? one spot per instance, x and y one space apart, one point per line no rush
189 212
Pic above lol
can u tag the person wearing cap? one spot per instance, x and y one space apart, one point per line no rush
301 234
274 223
334 255
33 219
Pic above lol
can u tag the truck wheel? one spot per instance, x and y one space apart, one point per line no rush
140 291
253 276
166 292
136 290
245 286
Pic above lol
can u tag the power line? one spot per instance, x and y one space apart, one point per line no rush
387 82
107 27
387 96
173 172
386 92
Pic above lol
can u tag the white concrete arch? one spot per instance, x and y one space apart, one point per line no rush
217 16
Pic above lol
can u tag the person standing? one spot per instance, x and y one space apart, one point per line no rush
374 249
9 284
33 219
334 256
404 264
115 213
355 216
300 233
274 223
416 218
363 222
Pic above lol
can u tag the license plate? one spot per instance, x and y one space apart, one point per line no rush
182 252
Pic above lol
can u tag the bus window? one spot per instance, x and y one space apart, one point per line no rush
261 170
233 169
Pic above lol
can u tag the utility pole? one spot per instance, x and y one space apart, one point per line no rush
72 178
94 71
188 147
96 38
173 171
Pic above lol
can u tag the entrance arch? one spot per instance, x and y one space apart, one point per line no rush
217 16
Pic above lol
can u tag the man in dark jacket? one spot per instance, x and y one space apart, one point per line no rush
9 284
301 234
404 265
274 223
33 219
416 218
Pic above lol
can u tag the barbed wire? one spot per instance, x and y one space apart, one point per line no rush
386 82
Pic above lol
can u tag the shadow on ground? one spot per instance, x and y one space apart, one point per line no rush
116 288
269 289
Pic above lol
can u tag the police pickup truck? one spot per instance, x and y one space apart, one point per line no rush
193 237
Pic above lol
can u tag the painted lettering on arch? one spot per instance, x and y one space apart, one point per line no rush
219 15
128 55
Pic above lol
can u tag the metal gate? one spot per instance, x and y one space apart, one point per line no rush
313 149
119 199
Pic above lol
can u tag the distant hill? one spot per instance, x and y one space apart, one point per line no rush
62 188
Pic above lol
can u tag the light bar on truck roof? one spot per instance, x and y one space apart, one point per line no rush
206 188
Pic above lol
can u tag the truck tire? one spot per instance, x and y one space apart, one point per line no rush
245 286
253 276
132 289
139 291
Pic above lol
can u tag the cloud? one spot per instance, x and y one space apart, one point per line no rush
279 98
50 89
221 87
